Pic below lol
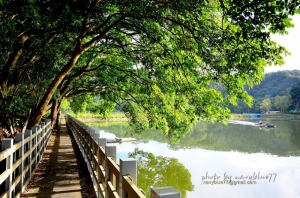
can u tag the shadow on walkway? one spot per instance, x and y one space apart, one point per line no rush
57 174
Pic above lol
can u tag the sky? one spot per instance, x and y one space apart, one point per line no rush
291 42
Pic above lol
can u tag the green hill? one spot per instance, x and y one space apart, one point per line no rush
274 84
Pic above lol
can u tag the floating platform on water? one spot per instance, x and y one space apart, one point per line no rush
120 140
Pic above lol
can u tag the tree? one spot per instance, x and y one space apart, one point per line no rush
270 86
282 103
156 58
65 106
265 105
79 104
295 94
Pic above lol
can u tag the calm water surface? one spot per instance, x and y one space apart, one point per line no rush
214 160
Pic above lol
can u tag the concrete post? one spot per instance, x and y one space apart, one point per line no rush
164 192
7 143
85 127
102 142
95 147
96 137
28 133
46 133
38 145
101 162
111 151
90 142
128 166
34 143
20 138
43 124
91 131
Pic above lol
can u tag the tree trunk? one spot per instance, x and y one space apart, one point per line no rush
54 112
41 109
26 121
57 119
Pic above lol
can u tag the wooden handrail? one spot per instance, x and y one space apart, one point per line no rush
112 191
113 166
105 172
110 179
20 156
132 190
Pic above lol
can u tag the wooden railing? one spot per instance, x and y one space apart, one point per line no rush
111 180
19 158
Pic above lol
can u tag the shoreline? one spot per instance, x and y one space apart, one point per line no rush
103 120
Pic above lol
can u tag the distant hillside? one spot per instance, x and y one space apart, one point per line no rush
275 84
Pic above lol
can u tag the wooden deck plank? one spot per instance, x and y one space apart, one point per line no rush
57 174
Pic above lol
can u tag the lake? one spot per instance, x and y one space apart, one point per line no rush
215 160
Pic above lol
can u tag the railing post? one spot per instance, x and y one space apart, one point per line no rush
34 143
38 146
47 132
91 154
128 166
28 133
101 159
110 151
96 168
96 143
95 147
164 192
42 136
20 138
102 142
96 136
83 129
91 143
7 143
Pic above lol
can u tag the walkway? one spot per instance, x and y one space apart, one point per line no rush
57 175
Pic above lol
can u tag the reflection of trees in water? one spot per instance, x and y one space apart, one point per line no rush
295 135
283 140
159 171
295 139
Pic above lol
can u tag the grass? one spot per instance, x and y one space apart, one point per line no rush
94 115
106 124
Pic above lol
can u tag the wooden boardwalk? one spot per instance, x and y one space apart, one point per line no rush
57 175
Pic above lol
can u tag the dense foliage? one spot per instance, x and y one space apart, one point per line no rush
278 87
295 94
275 84
155 59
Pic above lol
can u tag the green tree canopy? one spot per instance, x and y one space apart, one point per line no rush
156 58
269 88
295 94
282 103
265 105
79 104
